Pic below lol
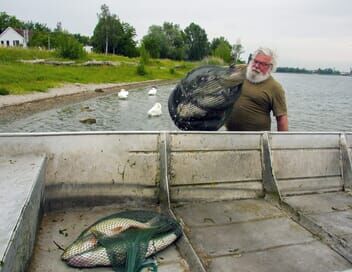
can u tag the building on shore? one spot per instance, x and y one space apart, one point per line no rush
12 37
347 73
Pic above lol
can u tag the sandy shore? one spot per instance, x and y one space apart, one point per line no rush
17 106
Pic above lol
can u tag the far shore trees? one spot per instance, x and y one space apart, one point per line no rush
221 48
113 36
197 42
166 41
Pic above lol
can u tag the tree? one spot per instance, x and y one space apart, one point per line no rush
196 41
175 45
102 32
8 20
85 40
36 27
223 51
155 42
40 39
166 41
237 51
126 45
69 47
217 41
113 36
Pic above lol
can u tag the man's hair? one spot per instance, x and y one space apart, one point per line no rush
268 52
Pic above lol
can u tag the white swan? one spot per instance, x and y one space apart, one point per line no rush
123 94
155 110
152 91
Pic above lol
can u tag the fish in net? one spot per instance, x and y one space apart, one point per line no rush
125 250
204 98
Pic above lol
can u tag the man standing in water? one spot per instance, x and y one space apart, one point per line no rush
261 94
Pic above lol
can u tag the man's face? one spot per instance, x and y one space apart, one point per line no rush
259 68
262 64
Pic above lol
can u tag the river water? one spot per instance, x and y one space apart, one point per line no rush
315 103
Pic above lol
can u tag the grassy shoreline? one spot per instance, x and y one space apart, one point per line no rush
23 78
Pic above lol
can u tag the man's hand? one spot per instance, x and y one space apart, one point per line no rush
282 123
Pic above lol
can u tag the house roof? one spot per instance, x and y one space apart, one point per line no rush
18 30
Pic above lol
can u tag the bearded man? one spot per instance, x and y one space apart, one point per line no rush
260 95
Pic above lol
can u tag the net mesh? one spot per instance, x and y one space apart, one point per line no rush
128 251
204 98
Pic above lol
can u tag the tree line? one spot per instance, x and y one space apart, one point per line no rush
113 36
326 71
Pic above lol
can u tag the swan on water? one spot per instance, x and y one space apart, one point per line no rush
152 91
123 94
155 110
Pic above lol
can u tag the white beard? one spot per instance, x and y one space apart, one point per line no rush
256 76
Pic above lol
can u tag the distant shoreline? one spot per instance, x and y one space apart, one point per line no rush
326 71
301 73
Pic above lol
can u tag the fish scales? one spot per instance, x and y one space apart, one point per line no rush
100 257
108 227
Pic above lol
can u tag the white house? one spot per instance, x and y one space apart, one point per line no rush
14 37
88 48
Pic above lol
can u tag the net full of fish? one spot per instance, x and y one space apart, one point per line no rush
123 240
204 98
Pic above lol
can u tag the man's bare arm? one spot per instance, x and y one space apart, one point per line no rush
282 123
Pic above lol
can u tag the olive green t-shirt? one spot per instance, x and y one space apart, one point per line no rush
251 112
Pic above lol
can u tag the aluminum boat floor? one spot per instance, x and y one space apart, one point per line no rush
62 227
254 235
328 215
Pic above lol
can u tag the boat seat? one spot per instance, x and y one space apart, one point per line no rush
21 197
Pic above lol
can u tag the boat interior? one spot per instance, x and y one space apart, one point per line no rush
249 201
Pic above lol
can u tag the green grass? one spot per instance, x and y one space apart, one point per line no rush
15 54
21 78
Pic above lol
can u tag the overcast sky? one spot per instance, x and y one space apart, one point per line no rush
304 33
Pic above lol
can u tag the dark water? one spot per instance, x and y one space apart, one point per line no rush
315 103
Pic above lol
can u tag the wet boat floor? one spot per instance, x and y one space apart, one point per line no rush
242 235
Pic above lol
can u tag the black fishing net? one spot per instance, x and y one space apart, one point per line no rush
127 251
204 98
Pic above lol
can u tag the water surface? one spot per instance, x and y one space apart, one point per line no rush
315 103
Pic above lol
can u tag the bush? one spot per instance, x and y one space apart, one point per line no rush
70 48
3 91
145 56
223 51
213 61
141 68
172 71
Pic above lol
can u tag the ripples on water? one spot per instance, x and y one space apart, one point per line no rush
315 103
